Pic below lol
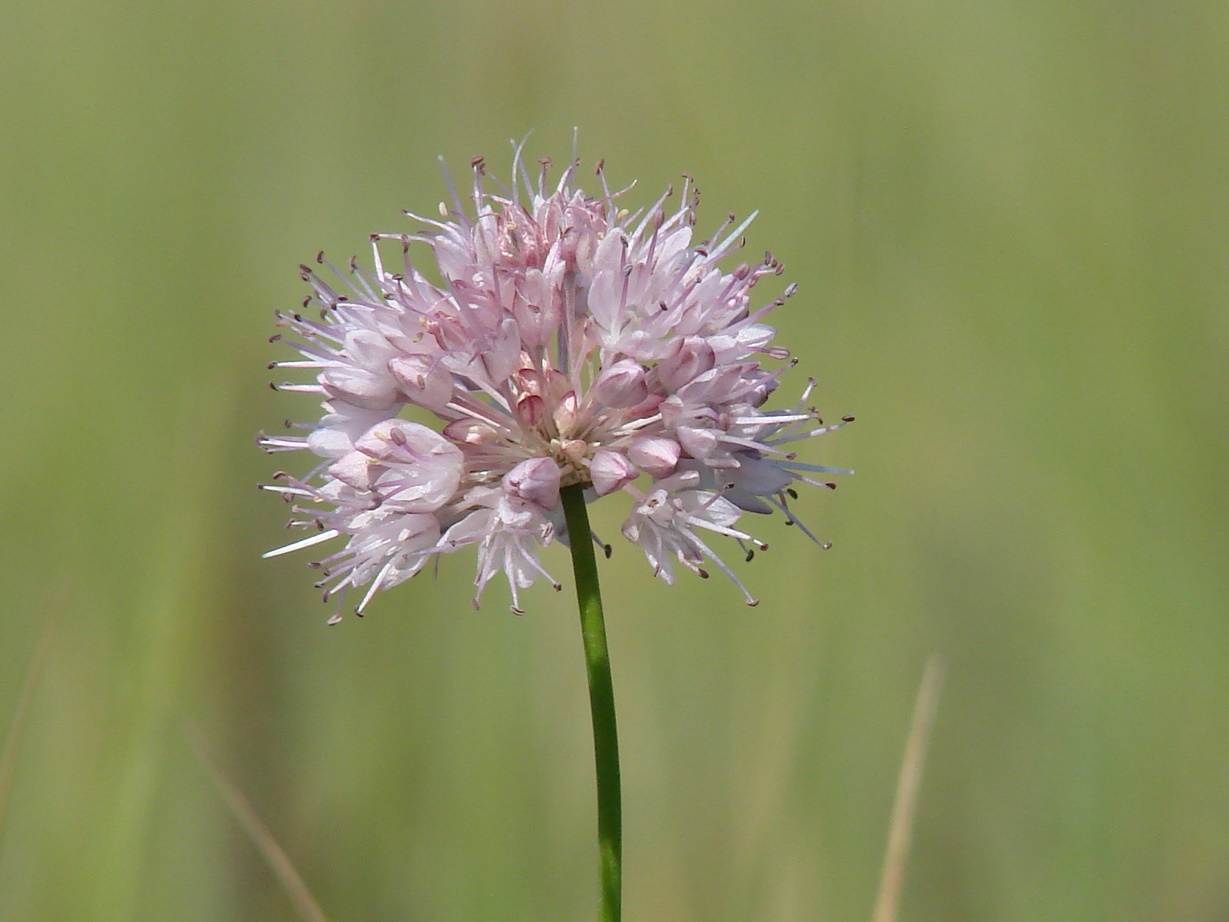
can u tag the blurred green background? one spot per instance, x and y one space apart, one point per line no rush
1010 225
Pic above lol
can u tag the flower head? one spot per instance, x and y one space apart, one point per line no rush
560 341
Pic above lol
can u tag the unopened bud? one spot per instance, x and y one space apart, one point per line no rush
621 385
654 455
535 481
610 470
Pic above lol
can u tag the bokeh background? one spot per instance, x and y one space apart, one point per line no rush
1009 223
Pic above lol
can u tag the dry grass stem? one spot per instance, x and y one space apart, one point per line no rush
278 860
8 759
888 902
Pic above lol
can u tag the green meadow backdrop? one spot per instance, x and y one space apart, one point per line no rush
1009 223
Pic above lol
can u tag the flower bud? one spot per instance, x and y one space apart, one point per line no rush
535 481
621 385
531 411
654 455
700 443
610 470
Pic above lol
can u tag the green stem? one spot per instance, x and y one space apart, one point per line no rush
601 702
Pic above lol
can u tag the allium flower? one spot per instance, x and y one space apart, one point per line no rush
565 342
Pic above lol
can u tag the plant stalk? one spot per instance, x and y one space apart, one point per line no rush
601 703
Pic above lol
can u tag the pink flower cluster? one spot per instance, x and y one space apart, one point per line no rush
563 341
